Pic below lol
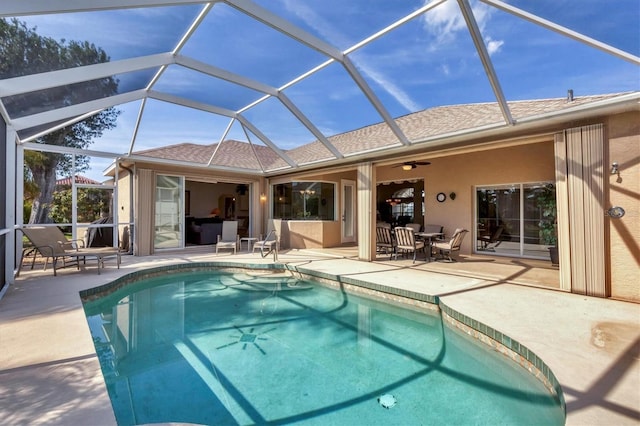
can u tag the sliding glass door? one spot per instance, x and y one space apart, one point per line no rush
168 215
516 220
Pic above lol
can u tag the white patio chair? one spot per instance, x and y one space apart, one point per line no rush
229 238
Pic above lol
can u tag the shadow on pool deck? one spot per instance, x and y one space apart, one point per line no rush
49 372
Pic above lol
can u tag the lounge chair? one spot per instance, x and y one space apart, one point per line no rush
447 248
271 241
50 242
384 241
493 239
229 238
406 242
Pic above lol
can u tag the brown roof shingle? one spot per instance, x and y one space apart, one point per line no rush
416 126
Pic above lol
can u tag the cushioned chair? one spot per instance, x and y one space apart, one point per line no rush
229 238
384 241
406 242
446 248
51 243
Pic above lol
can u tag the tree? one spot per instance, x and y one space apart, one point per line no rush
23 52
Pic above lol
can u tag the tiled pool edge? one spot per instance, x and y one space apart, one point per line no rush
490 337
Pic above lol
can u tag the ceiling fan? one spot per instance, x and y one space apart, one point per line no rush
409 165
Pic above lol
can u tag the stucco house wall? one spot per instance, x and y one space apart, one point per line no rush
624 191
529 162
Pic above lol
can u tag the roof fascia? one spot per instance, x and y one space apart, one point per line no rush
472 25
75 110
46 80
9 8
563 30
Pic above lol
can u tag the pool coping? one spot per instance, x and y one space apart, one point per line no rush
497 341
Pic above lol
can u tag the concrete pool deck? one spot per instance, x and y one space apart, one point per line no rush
49 373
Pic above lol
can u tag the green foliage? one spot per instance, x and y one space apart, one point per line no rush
92 202
546 202
24 51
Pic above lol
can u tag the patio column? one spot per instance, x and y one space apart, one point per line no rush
144 220
9 214
366 183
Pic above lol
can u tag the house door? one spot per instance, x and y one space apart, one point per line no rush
348 206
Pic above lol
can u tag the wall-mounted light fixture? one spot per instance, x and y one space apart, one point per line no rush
614 168
263 197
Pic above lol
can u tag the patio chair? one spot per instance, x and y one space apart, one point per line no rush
271 241
50 242
384 241
229 238
406 242
486 240
447 248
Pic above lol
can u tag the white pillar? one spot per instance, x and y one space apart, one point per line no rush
366 184
13 212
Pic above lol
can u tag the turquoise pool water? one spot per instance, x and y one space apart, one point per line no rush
229 349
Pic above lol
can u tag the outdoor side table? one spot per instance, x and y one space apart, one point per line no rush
250 241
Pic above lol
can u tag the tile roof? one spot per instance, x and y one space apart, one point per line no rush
417 126
79 179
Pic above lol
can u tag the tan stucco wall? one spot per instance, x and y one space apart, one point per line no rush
461 173
624 191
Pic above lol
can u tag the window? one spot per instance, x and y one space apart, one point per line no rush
304 201
516 219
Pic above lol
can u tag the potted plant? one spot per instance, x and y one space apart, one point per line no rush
547 225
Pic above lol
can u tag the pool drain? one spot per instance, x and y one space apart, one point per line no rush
387 401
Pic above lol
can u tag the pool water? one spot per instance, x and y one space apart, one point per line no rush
229 349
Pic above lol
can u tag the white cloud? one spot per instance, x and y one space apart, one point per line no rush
493 46
446 22
333 36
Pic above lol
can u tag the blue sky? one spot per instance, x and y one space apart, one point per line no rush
430 61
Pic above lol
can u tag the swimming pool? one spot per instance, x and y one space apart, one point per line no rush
235 348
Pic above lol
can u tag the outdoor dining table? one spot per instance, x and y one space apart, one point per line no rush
428 238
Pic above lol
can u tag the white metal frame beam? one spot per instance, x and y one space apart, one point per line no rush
472 25
65 113
564 31
47 80
285 27
9 8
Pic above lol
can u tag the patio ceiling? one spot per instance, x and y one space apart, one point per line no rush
289 77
